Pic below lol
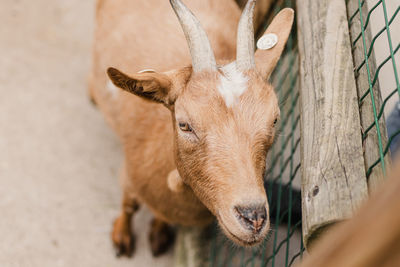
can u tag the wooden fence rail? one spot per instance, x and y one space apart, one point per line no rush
371 144
333 174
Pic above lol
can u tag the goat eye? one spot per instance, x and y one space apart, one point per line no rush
185 127
275 121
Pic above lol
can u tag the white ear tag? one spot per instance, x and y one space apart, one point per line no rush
267 41
146 70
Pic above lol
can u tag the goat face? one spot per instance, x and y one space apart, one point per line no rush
221 142
223 119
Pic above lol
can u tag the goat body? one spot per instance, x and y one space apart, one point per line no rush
140 35
137 35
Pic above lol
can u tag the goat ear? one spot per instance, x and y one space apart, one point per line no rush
281 26
153 86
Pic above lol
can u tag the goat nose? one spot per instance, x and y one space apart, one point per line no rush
252 217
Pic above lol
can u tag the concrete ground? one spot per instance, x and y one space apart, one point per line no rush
59 162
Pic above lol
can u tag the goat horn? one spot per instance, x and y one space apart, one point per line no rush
245 39
199 45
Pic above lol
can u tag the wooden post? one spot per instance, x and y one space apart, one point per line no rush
371 238
371 143
333 174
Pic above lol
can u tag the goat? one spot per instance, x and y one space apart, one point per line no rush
201 153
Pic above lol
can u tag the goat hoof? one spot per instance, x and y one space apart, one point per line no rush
123 240
161 236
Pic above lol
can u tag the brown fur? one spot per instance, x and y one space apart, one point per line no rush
224 166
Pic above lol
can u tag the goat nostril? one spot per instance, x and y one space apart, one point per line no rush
252 217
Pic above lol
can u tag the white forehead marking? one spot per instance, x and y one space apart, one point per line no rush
112 89
267 41
232 84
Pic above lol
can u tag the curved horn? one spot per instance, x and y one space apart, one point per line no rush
245 39
199 45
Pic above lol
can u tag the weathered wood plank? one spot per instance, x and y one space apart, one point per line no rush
371 143
371 238
333 174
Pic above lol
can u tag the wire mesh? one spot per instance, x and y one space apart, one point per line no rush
377 28
283 246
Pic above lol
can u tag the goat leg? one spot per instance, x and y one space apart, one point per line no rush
161 237
122 236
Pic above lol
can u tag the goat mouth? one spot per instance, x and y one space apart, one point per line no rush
249 242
